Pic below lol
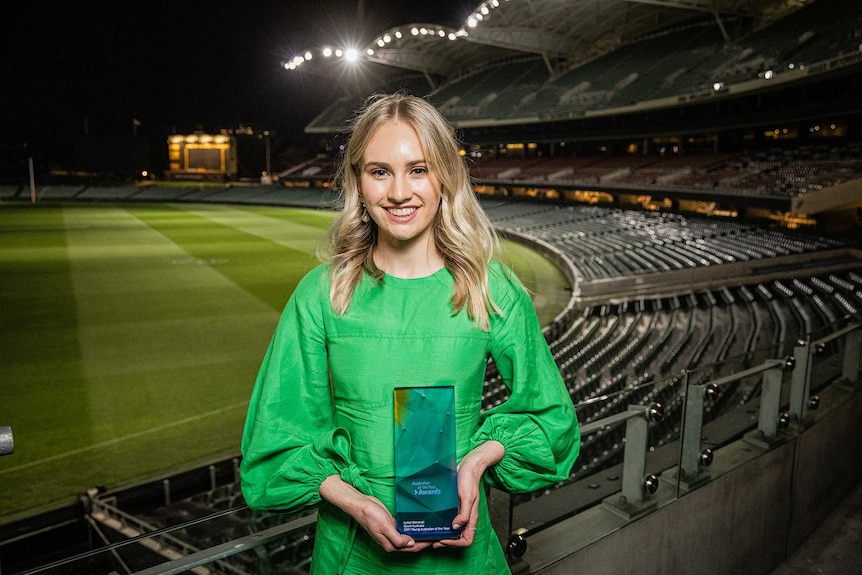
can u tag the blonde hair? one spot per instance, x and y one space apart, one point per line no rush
462 232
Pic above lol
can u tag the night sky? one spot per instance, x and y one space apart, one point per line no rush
71 67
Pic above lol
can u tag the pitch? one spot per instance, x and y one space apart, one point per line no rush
132 334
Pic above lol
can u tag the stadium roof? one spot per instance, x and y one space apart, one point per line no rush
564 33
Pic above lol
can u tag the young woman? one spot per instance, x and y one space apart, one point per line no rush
410 296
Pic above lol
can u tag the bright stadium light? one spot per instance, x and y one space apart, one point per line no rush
370 52
471 22
327 52
308 55
351 55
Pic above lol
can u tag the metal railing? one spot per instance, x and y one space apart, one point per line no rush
781 413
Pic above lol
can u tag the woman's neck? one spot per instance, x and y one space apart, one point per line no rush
414 262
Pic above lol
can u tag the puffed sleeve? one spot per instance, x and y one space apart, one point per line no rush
290 444
537 425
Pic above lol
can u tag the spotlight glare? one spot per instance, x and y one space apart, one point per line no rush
327 52
351 55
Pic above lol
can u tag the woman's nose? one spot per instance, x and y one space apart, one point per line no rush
400 190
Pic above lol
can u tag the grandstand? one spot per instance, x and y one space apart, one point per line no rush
715 310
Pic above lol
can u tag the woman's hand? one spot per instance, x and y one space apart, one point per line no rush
370 513
470 472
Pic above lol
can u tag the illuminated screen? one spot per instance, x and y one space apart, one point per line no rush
204 159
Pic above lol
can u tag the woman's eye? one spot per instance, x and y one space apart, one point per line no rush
420 170
378 173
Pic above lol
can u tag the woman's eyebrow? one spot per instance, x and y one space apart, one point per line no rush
387 166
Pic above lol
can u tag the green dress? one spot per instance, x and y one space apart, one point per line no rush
323 405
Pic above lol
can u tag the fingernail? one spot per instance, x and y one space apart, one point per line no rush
456 526
411 543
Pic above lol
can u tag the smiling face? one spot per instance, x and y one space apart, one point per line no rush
400 191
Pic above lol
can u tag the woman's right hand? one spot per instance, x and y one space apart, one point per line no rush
370 513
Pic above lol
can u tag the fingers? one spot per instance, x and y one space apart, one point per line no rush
466 539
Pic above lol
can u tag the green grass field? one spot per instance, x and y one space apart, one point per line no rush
131 335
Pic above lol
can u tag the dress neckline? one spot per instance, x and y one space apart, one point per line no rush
437 277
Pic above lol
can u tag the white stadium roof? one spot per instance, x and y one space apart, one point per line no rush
563 32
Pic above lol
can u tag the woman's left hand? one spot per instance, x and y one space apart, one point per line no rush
470 472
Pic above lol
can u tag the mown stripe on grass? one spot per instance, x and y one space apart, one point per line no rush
261 254
41 374
163 337
44 392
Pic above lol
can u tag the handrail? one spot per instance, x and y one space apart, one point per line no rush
225 550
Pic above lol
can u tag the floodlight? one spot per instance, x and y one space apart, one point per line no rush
327 52
398 34
370 52
768 74
308 55
471 22
351 55
414 31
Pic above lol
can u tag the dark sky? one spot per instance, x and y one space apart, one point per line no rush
70 66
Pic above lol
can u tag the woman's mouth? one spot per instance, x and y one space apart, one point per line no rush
401 212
